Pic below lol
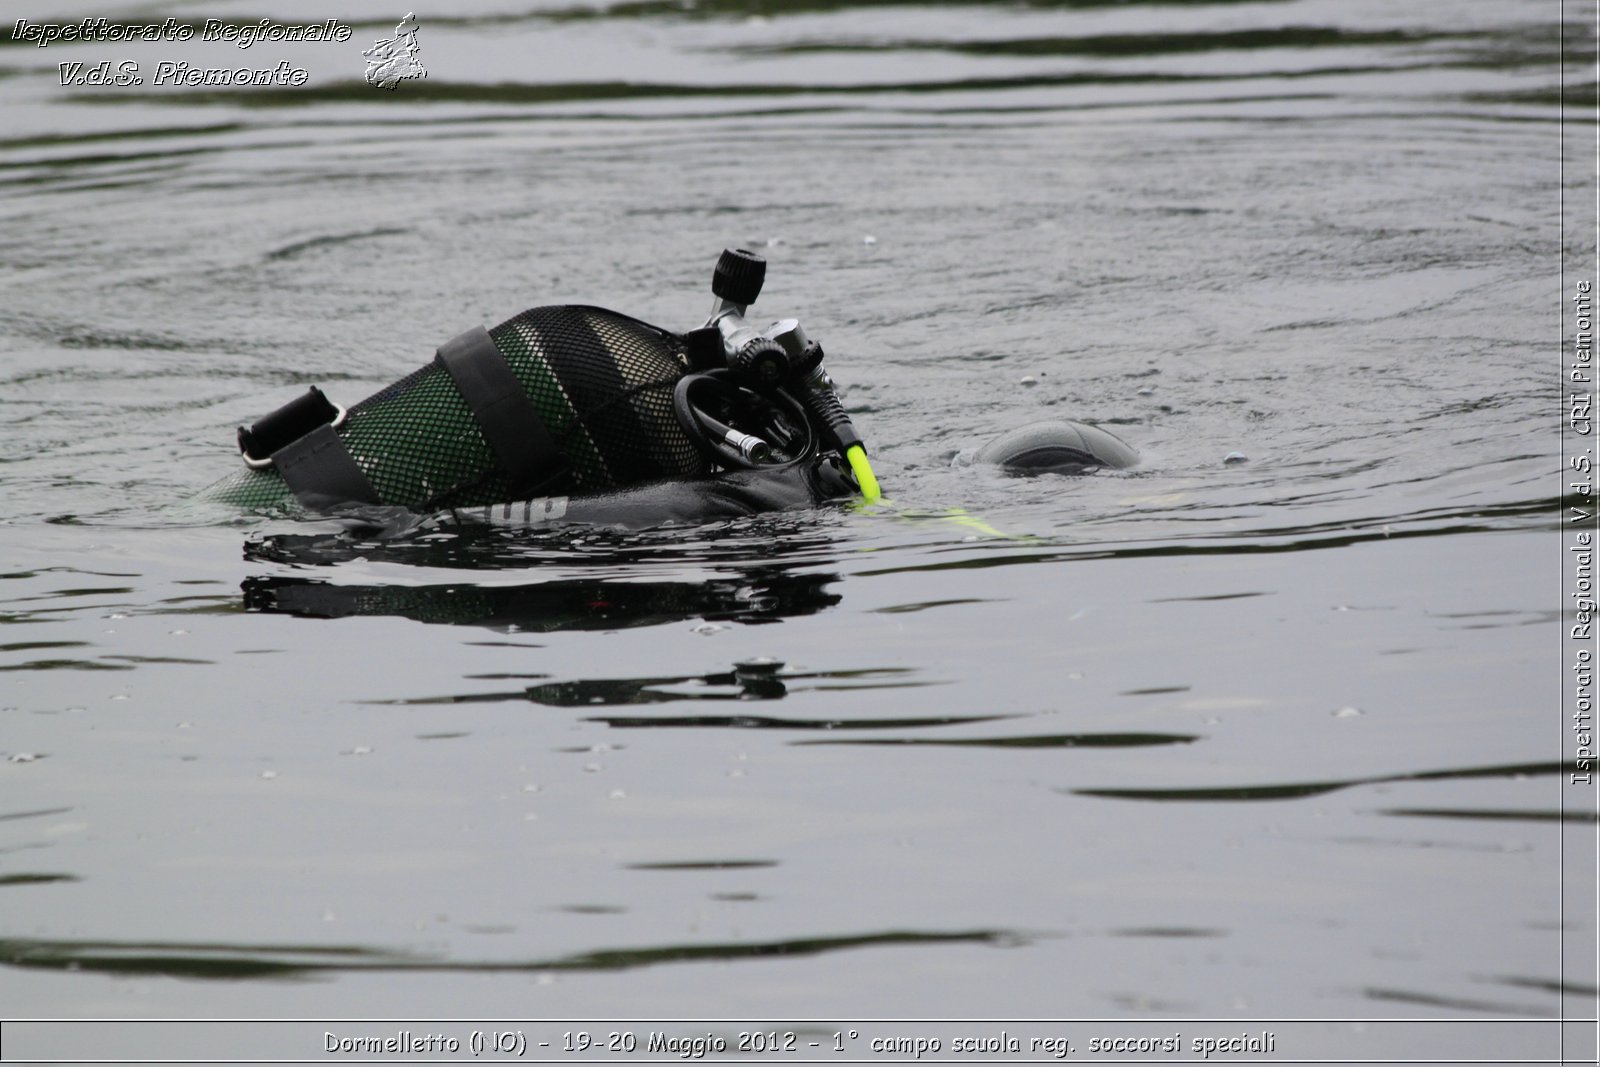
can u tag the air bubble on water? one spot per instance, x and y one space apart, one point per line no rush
706 629
1348 712
1233 459
593 767
269 775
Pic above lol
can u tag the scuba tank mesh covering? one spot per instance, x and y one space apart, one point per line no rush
601 381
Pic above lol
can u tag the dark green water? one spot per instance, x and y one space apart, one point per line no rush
1263 739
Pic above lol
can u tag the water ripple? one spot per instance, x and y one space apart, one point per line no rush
225 961
1300 790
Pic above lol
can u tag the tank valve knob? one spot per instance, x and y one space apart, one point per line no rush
738 276
761 360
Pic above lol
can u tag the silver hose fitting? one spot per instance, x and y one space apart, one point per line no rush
750 447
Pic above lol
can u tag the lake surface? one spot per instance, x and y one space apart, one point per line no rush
1274 726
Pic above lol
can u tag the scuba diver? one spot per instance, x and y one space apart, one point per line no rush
572 414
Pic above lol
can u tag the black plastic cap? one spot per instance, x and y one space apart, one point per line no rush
288 424
704 348
738 276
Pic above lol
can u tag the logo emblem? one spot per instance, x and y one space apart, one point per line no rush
391 61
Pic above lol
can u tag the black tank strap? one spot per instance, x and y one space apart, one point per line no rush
322 473
506 417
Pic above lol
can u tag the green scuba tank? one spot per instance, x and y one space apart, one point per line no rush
566 399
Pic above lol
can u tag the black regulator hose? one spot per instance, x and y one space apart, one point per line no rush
730 447
837 429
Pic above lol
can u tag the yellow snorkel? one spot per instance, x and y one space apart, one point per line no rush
856 456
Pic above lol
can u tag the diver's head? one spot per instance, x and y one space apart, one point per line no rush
1056 446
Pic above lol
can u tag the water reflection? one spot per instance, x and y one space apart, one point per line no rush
390 535
760 679
756 595
1086 740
